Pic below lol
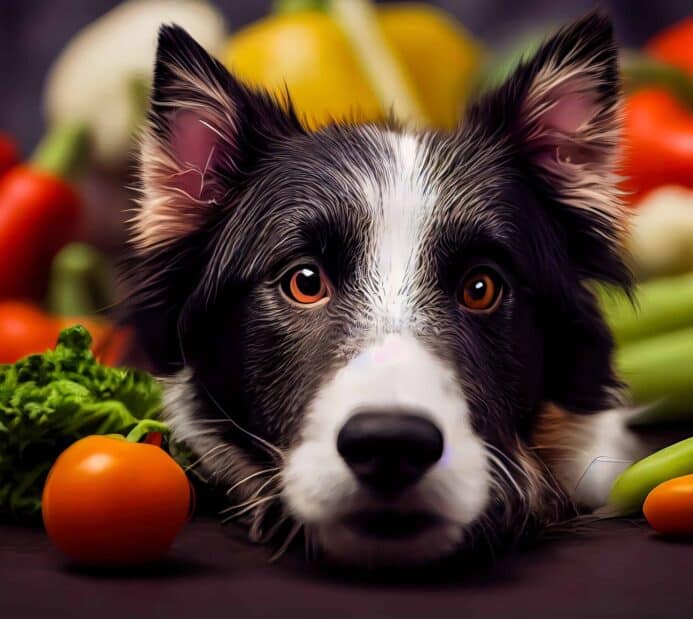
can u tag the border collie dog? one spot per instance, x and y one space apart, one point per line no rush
380 336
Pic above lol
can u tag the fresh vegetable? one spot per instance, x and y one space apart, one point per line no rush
82 282
661 305
9 155
51 400
25 329
669 507
110 501
634 484
659 373
640 71
101 79
347 59
39 213
661 239
659 142
674 45
655 346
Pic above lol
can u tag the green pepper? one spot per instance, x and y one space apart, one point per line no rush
633 485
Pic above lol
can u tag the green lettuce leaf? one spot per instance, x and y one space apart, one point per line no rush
51 400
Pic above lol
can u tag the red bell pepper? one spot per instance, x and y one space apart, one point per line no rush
659 142
674 45
39 213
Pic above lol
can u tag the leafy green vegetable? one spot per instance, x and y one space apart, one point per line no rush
49 401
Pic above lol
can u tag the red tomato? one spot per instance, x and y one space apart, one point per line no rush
669 507
24 330
659 142
111 502
675 45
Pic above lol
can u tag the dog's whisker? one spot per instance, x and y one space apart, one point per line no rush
289 538
184 438
206 455
246 506
273 449
243 512
269 535
252 476
504 470
271 480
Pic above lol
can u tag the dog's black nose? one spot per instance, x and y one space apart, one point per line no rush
389 450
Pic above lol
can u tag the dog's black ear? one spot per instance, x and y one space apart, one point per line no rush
561 112
205 131
206 134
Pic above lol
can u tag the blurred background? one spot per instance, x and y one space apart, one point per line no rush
74 83
32 33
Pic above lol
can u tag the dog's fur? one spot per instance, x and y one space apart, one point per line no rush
235 192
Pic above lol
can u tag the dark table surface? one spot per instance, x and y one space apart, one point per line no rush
616 569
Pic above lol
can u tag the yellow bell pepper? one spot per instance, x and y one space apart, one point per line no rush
355 61
440 55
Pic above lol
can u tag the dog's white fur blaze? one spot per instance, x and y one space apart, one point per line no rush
395 370
401 204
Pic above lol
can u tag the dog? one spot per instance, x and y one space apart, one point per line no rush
386 338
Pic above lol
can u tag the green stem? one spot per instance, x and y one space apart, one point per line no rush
144 427
62 150
80 282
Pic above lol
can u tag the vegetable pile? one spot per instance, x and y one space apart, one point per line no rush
654 335
51 400
48 280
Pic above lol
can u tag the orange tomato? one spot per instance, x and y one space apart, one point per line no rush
669 506
111 502
25 329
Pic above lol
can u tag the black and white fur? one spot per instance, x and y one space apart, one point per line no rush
235 191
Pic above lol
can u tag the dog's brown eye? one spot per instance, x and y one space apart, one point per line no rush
480 290
305 284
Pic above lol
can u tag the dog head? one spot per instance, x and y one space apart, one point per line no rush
363 324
